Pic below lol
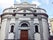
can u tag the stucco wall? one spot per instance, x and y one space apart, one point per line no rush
3 29
45 29
51 26
16 20
0 28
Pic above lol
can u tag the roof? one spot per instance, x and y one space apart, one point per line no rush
20 8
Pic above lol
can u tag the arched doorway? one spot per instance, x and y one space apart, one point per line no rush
24 33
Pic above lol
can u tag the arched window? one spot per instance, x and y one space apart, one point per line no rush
36 28
12 28
24 25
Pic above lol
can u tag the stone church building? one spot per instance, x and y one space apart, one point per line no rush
24 21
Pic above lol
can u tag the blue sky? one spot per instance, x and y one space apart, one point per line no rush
45 4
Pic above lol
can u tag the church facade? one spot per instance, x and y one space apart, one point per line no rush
24 22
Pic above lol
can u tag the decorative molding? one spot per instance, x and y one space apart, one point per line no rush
24 28
36 24
26 13
24 21
12 24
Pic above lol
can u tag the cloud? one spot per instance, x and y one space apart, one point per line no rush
6 3
18 1
36 2
45 1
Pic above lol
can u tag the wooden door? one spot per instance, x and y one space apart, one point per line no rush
24 35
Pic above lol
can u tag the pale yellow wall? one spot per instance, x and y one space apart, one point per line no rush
51 24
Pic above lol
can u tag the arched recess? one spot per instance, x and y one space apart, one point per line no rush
37 28
24 32
24 24
12 28
11 34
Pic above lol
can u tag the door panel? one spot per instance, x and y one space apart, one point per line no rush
24 35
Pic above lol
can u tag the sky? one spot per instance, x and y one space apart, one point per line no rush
45 4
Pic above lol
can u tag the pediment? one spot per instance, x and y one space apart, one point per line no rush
24 10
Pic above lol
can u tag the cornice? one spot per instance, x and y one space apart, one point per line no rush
24 13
